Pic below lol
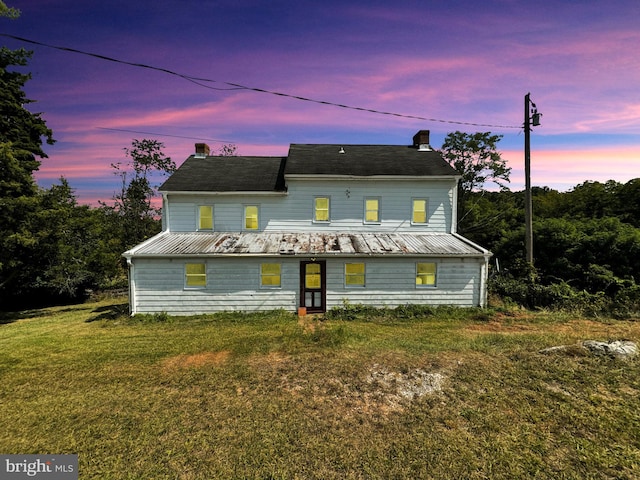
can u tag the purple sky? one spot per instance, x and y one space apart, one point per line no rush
455 61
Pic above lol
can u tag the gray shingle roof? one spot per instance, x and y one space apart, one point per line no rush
258 174
227 174
365 160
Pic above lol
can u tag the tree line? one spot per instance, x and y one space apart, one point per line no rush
586 240
53 250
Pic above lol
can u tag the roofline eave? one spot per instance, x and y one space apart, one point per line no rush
319 177
322 255
231 192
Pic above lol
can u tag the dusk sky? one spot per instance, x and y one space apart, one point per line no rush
465 61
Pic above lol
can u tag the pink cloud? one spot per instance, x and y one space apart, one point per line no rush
563 169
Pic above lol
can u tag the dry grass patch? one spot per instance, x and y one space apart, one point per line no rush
196 360
603 330
497 326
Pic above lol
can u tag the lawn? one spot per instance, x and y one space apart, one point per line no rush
450 395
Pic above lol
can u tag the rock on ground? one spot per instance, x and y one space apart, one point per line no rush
619 349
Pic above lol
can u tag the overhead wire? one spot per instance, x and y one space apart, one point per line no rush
236 86
163 134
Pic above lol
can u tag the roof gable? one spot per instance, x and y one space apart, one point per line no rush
365 161
227 174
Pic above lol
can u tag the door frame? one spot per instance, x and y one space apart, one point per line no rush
321 292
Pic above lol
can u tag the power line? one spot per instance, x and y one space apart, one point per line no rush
236 86
163 134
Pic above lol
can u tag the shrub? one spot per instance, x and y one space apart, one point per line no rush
563 297
349 311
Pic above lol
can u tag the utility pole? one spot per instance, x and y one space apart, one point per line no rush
531 118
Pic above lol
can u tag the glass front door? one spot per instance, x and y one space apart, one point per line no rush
312 286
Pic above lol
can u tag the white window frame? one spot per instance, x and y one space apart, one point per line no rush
426 210
186 276
199 218
379 211
435 276
244 217
364 275
317 197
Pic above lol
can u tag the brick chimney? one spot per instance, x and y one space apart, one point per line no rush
202 150
421 141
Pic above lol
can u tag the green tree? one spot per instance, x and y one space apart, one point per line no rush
73 251
477 159
21 138
590 254
591 200
73 254
8 11
628 196
134 205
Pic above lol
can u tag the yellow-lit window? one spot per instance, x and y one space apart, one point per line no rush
205 217
270 275
195 275
312 278
419 213
354 274
321 209
372 210
426 275
251 217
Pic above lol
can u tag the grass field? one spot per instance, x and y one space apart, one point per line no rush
268 396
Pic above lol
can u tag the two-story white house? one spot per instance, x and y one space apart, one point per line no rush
369 224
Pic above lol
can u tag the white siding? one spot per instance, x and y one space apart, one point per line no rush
347 205
234 284
294 211
228 211
391 282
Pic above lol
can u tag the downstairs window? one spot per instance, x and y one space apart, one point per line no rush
426 274
195 275
354 274
270 275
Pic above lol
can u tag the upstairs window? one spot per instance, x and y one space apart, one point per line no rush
321 209
205 217
419 211
270 275
426 274
372 210
195 275
251 217
354 274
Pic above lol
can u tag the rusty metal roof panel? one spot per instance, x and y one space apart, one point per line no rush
171 244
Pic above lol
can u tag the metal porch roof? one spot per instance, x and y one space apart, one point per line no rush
171 244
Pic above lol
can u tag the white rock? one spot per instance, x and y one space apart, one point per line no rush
619 349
